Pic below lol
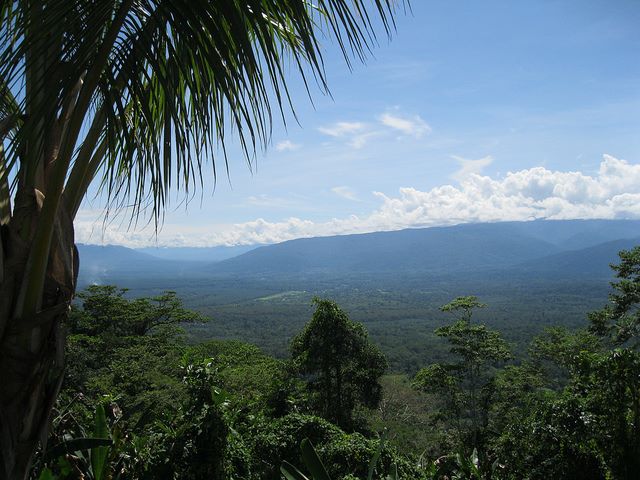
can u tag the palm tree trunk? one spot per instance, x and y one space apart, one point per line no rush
32 347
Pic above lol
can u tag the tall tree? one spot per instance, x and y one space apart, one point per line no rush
620 319
343 366
137 94
464 386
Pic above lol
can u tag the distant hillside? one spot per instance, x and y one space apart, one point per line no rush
509 250
460 248
112 263
578 234
592 261
197 254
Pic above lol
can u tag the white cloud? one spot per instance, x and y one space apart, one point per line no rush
340 129
286 146
345 192
413 126
358 134
469 167
613 192
359 141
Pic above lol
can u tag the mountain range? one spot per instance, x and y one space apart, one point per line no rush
538 248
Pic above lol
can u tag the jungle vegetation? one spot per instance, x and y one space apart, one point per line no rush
138 401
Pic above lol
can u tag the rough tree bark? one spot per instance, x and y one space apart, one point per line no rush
32 348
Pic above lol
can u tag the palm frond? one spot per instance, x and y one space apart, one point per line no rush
173 78
169 81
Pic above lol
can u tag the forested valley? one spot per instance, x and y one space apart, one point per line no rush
141 399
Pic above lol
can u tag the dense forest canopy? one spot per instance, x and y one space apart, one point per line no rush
140 402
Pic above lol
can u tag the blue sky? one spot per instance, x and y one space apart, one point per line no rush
474 111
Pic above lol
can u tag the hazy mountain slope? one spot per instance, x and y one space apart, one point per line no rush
592 261
597 232
459 248
513 249
578 234
113 256
197 254
109 263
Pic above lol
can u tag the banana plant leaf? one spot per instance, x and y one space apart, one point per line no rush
99 453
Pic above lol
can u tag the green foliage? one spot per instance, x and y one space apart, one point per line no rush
608 388
358 456
548 439
475 345
279 439
312 461
95 455
465 387
341 365
620 320
251 377
224 409
463 307
556 353
130 348
107 312
516 388
99 453
193 442
404 414
586 426
204 411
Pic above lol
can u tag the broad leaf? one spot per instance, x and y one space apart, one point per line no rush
290 472
99 454
312 461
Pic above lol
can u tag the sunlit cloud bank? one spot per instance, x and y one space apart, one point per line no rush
535 193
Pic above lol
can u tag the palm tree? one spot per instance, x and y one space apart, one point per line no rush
136 95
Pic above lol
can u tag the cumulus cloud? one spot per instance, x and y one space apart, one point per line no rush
613 192
469 167
413 126
286 145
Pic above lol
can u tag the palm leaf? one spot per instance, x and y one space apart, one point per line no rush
170 80
175 78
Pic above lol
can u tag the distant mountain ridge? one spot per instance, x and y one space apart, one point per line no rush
541 247
468 247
